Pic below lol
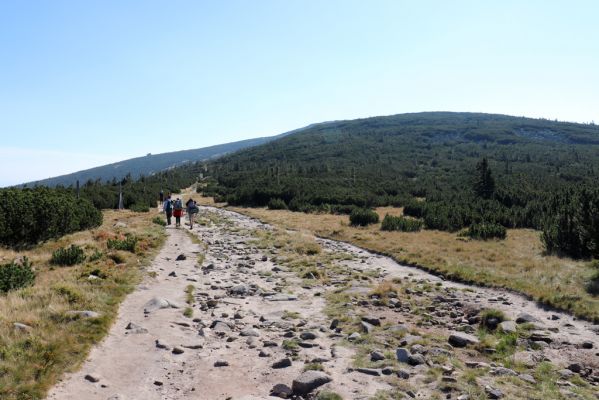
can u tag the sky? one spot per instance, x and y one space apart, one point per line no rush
86 83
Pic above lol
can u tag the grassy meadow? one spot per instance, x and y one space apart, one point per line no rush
32 359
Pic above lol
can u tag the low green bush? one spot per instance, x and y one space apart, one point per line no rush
277 204
391 223
485 231
128 244
68 256
139 207
159 221
363 217
16 275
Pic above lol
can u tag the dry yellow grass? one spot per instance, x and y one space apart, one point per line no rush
517 263
30 362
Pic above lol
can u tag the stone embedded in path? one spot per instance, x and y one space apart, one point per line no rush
372 321
377 356
308 381
308 336
525 317
221 363
493 393
239 290
161 345
369 371
92 378
283 363
173 273
403 355
250 332
458 339
281 297
507 327
181 257
158 303
366 327
282 391
178 350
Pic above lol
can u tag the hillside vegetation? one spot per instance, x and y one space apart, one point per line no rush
32 215
542 173
58 306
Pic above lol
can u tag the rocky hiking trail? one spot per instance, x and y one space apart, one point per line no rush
279 314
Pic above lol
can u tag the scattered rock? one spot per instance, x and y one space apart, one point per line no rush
308 381
458 339
403 355
92 378
369 371
83 314
308 336
493 393
158 303
575 367
282 391
283 363
181 257
221 363
250 332
524 318
178 350
21 327
507 327
527 378
377 356
161 345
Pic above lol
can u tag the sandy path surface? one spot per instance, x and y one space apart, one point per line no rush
245 309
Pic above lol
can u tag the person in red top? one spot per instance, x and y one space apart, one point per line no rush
178 212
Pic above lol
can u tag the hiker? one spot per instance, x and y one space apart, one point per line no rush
192 210
167 206
161 196
178 212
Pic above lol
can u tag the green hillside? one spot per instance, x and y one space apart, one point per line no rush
539 168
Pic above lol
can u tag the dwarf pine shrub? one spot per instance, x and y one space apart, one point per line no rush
68 256
392 223
128 244
16 275
363 217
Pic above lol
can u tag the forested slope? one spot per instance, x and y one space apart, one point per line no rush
538 167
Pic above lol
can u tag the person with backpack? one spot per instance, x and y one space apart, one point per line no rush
192 210
167 206
178 211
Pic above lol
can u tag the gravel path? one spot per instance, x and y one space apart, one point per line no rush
256 325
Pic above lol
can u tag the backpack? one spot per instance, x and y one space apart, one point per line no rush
169 206
178 205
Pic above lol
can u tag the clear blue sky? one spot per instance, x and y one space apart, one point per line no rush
84 83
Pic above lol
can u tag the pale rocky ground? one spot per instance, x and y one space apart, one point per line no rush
252 311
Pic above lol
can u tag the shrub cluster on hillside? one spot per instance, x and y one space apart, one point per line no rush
68 255
16 275
393 223
363 217
29 216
